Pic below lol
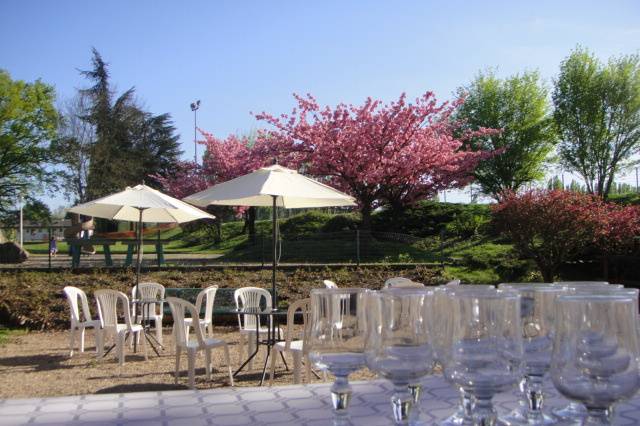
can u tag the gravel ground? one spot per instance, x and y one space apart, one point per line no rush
37 364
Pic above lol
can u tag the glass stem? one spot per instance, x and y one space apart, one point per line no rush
599 416
341 395
401 403
466 406
416 392
535 398
483 412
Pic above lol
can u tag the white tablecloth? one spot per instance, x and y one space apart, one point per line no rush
283 405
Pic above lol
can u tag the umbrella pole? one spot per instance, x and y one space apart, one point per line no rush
139 248
274 297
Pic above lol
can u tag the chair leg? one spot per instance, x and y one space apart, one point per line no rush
99 342
273 365
191 360
159 330
241 347
250 348
228 361
72 340
307 368
82 340
144 346
178 353
297 366
207 362
121 341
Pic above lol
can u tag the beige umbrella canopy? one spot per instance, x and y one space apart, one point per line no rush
141 204
274 186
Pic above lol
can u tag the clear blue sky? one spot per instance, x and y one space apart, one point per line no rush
243 56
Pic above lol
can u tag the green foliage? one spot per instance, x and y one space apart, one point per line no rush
467 224
341 223
303 225
28 122
130 144
427 218
519 107
597 113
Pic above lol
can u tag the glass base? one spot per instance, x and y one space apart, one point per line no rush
518 417
574 411
456 419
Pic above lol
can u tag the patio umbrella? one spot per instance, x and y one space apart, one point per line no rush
141 204
274 186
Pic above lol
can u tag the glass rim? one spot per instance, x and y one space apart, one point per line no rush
613 296
341 290
403 291
544 288
497 294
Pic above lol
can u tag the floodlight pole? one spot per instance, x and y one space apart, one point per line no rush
194 107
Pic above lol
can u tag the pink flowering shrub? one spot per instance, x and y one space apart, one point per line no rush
552 227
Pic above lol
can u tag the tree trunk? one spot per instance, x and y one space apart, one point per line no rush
250 223
365 211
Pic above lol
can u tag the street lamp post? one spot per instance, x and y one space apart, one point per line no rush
194 107
21 202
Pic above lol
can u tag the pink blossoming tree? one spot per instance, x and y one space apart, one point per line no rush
393 154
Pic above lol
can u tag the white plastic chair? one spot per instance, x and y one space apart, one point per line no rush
401 282
208 295
108 301
202 343
253 298
149 290
452 283
329 284
297 347
73 294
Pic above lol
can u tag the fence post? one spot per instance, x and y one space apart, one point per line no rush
262 251
358 247
50 248
442 235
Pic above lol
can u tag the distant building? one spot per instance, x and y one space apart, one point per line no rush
34 231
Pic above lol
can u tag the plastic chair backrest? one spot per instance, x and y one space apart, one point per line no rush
304 306
400 282
73 294
329 284
178 309
149 290
250 297
209 296
108 307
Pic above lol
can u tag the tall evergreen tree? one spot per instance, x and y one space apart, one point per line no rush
131 144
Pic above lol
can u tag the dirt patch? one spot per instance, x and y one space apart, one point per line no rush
37 364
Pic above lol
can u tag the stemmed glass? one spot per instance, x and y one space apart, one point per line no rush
596 354
398 346
574 410
440 333
537 311
486 347
336 340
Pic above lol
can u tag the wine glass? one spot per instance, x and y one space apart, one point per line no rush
336 340
537 310
398 346
485 355
440 334
596 354
575 410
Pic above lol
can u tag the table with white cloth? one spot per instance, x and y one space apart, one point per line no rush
282 405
